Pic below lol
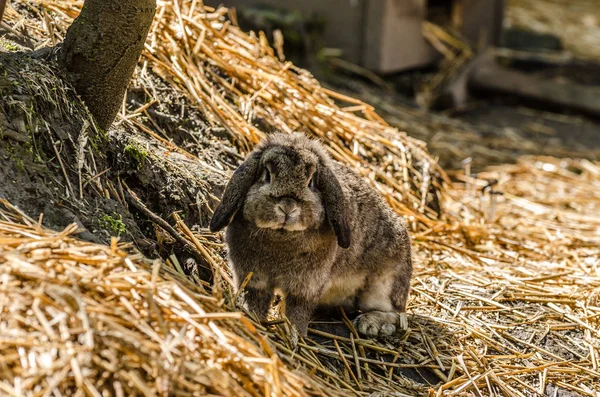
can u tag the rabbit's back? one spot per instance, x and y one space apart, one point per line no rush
378 233
380 247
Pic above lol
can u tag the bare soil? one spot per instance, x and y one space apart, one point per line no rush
40 116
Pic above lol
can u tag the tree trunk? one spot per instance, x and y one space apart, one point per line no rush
2 5
101 49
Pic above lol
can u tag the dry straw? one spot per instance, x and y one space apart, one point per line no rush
236 80
80 316
506 297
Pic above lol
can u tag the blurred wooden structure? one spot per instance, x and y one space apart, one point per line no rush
385 35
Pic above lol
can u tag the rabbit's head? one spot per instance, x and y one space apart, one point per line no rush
287 183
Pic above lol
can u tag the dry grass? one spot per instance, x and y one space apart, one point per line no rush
506 297
235 79
80 316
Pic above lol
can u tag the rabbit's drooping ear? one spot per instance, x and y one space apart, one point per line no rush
335 205
235 192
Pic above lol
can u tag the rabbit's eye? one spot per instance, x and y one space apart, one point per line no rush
267 176
311 182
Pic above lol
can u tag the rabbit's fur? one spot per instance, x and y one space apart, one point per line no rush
312 228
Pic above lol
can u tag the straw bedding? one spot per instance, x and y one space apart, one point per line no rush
89 317
506 292
513 312
236 82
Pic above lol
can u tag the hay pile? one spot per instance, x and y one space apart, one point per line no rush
236 81
76 315
506 297
516 280
510 308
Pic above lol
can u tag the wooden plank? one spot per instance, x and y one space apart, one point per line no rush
492 77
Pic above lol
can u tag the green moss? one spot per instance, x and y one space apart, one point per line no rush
16 156
137 153
113 223
19 164
98 139
103 133
10 47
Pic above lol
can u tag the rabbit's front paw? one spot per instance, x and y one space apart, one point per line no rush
377 323
402 321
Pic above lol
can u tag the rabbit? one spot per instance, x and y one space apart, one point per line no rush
310 227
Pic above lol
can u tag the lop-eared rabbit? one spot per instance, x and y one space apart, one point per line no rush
310 227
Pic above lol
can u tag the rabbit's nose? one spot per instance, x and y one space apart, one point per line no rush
287 207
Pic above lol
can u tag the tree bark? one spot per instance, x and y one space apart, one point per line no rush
101 49
2 5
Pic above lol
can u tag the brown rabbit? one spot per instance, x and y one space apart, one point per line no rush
312 228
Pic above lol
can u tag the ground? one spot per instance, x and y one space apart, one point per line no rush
505 287
491 129
41 119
